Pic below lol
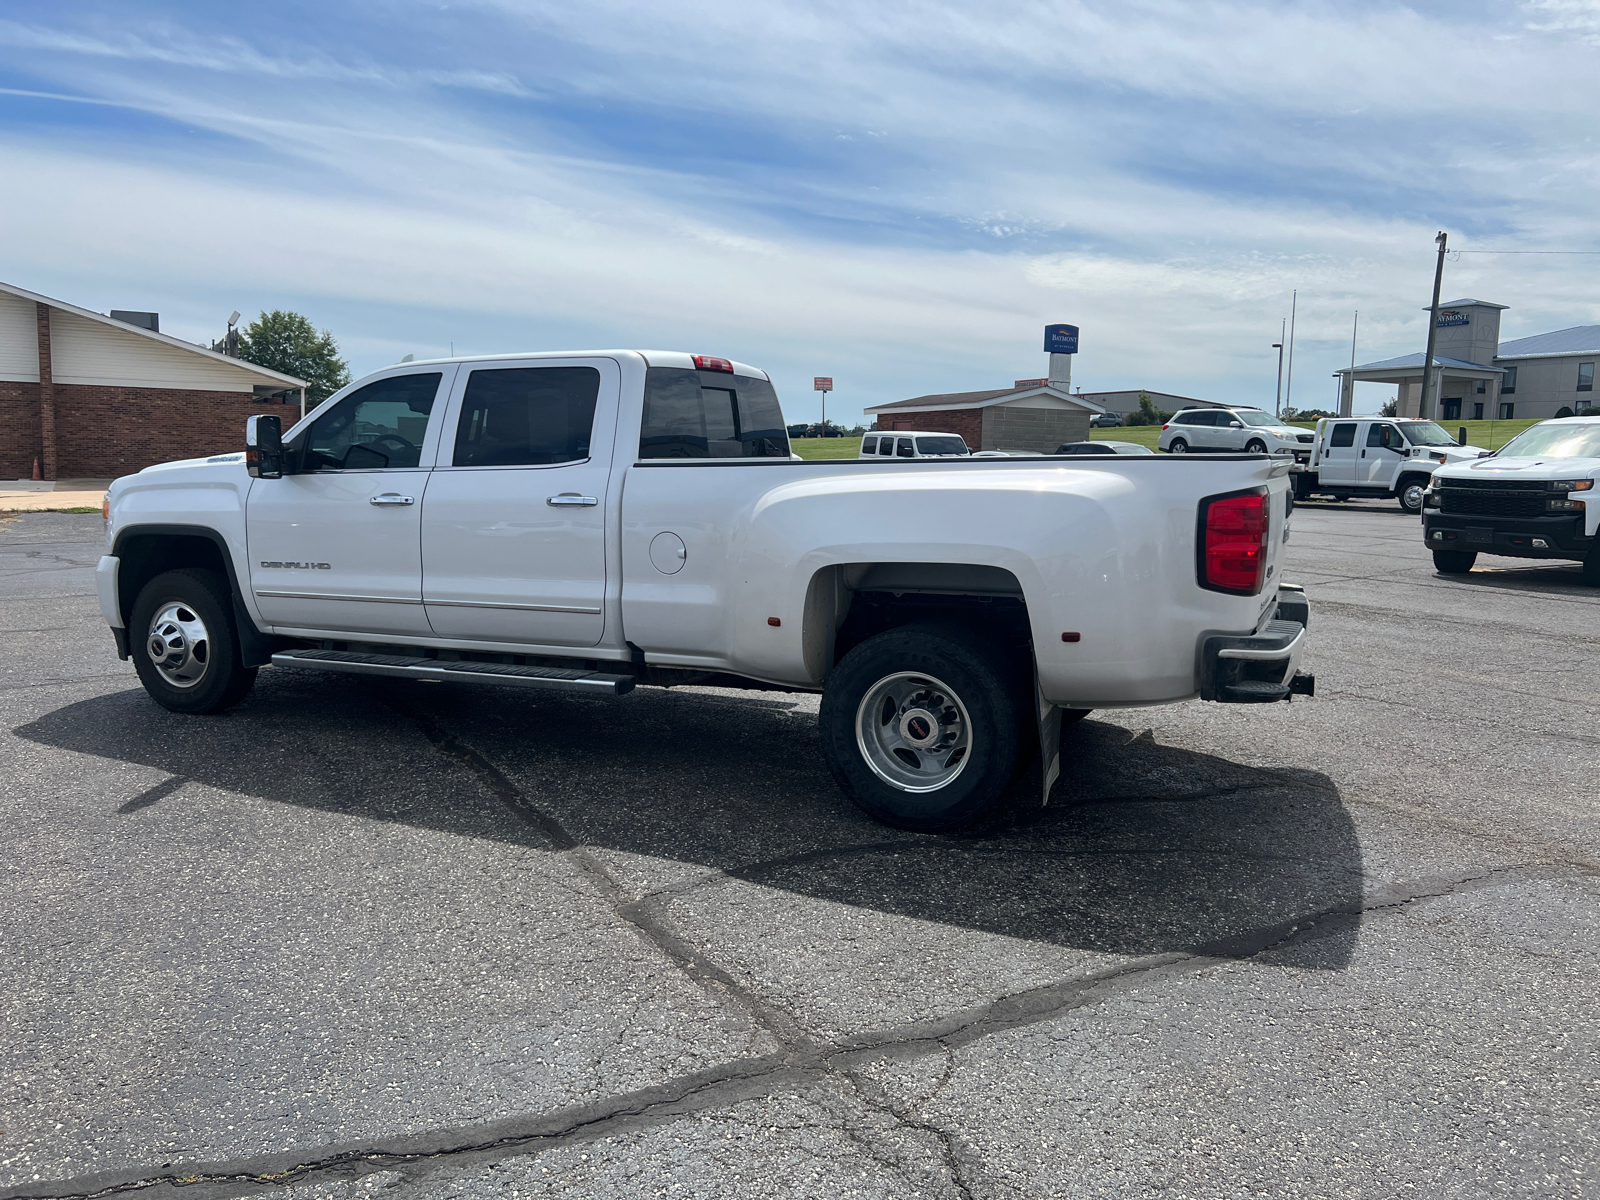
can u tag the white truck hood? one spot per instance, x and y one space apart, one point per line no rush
195 462
1531 468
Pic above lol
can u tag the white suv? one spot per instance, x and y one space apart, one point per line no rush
914 445
1233 430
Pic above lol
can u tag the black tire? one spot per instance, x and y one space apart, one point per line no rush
1342 498
1071 716
1255 446
1591 567
1454 562
1177 446
1409 492
186 618
926 679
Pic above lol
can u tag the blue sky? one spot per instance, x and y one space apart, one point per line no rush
898 195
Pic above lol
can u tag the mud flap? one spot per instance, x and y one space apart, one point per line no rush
1049 721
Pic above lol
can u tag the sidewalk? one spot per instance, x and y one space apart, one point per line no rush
26 495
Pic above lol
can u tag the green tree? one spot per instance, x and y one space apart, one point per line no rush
288 342
1147 413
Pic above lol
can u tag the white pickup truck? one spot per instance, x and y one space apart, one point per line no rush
587 522
1377 457
1537 497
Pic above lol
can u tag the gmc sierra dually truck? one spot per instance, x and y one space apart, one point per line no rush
1537 497
587 522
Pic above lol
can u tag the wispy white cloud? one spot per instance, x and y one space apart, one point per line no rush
899 194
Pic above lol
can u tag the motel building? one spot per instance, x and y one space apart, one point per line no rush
1481 378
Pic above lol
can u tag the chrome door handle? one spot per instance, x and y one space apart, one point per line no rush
392 498
572 500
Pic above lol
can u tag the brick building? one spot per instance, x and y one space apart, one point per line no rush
1032 414
88 396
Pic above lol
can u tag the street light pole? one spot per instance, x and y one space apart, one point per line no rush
1294 304
1277 404
1423 408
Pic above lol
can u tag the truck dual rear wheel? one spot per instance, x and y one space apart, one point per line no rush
1454 562
184 645
923 726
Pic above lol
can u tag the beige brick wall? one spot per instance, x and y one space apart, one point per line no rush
1041 430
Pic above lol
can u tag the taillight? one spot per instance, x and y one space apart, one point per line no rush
704 362
1164 428
1232 542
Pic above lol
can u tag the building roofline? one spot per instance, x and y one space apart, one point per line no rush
1464 303
910 406
165 339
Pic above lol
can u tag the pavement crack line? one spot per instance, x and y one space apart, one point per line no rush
638 913
752 1078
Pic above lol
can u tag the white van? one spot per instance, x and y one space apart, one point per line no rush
911 444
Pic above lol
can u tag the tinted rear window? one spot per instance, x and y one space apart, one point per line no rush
1343 435
941 445
527 416
710 414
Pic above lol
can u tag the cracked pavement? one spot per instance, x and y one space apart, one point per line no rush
362 938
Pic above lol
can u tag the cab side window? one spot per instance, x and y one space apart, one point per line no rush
1384 435
1343 435
380 425
885 447
869 445
526 417
905 450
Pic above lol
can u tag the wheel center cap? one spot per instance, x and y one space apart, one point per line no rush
918 726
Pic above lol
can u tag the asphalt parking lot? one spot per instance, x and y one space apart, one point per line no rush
357 939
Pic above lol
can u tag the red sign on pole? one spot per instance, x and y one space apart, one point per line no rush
822 383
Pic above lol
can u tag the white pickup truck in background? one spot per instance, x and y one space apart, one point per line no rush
1538 496
1370 457
586 522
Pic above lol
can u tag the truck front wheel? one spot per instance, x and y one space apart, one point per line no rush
1409 492
184 645
922 726
1454 562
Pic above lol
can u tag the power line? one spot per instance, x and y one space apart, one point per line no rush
1525 252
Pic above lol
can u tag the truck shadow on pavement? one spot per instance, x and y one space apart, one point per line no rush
1144 849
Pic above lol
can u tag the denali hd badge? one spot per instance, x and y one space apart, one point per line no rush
301 566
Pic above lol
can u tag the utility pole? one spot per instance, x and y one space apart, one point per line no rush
1424 409
1288 391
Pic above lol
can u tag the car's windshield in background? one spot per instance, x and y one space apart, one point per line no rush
1426 433
1557 439
1258 418
941 445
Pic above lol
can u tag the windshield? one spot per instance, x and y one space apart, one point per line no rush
1257 418
1426 433
1555 439
941 445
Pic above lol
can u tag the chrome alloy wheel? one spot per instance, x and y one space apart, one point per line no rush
179 645
913 732
1411 497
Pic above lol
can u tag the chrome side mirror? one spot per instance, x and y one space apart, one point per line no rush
263 447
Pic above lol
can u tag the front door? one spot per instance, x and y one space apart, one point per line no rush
1340 455
1384 451
514 526
335 545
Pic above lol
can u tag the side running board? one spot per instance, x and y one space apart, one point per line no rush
397 666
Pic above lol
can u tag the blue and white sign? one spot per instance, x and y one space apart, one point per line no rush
1061 339
1453 316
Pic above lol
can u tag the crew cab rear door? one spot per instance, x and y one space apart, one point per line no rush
334 545
1341 455
514 522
